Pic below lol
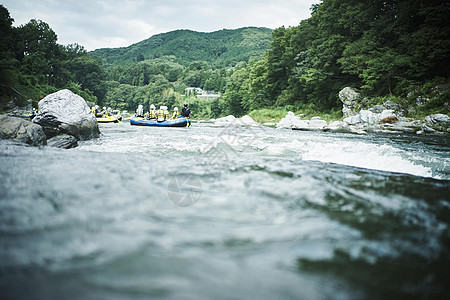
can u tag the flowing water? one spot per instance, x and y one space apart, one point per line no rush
226 213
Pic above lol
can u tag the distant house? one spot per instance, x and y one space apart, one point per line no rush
193 91
198 92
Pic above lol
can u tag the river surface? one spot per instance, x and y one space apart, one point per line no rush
226 213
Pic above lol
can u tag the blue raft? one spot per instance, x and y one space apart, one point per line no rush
179 122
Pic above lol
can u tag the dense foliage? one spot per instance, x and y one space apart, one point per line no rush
33 64
219 49
392 47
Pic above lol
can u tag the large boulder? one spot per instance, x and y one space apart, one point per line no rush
64 112
351 101
21 130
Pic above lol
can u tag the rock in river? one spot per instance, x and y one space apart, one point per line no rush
21 130
64 112
63 141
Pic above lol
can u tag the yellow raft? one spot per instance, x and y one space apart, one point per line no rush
108 119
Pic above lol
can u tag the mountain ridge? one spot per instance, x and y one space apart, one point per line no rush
221 48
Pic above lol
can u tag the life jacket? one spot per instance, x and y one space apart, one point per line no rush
175 115
152 114
161 115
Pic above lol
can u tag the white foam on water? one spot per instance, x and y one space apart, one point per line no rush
365 155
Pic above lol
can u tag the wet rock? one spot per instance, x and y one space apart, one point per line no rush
22 130
63 141
64 112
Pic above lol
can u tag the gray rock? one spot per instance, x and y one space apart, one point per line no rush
317 124
63 141
64 112
427 129
397 127
351 100
437 118
377 108
21 130
368 117
438 122
352 120
19 111
391 105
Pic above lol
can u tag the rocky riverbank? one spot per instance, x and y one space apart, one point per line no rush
63 119
385 118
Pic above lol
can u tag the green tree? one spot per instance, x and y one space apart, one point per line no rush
8 64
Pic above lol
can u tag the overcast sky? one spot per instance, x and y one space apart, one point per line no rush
117 23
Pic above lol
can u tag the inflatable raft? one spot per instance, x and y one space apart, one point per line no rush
108 119
179 122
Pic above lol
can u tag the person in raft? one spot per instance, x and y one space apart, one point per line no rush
175 113
162 114
96 111
166 113
152 112
186 112
140 111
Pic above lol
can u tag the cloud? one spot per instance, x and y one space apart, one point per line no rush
118 23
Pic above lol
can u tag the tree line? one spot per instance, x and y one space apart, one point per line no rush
33 64
395 48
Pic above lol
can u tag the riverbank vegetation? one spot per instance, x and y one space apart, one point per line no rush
389 50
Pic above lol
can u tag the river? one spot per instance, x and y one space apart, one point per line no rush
226 213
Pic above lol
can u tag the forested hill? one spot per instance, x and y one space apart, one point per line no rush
223 48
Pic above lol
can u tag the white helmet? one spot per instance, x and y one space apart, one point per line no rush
175 109
104 107
161 107
152 106
96 106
